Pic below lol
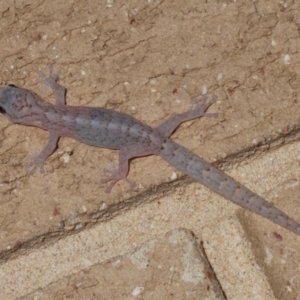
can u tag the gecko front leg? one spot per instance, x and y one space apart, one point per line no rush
51 82
37 161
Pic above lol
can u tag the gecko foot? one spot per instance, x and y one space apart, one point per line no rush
201 106
49 81
115 176
33 162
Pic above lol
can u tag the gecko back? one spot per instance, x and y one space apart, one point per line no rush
94 126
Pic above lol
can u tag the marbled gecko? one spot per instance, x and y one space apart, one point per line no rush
107 128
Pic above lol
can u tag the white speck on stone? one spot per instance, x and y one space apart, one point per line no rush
45 36
78 226
204 90
84 209
187 66
53 48
236 125
64 38
126 83
173 176
153 81
66 158
134 12
89 22
269 256
177 100
287 59
159 267
254 141
12 67
103 206
137 290
24 72
83 73
133 108
82 30
56 56
273 43
219 76
153 90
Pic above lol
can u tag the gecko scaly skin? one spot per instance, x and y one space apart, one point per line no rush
106 128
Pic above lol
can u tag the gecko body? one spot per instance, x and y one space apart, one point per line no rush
107 128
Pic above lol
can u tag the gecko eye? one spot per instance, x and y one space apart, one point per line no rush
12 85
2 110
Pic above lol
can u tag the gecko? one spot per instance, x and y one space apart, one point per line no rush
106 128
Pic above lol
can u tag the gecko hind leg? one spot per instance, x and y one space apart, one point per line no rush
115 176
120 172
199 109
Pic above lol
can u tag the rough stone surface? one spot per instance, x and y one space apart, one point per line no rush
169 267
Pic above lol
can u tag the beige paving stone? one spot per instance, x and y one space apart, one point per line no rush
251 257
170 267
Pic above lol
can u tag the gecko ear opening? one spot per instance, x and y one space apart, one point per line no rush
2 110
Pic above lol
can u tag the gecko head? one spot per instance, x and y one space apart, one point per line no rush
15 103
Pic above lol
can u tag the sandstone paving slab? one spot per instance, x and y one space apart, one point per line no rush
170 267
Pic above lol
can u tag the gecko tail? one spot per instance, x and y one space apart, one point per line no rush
216 180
